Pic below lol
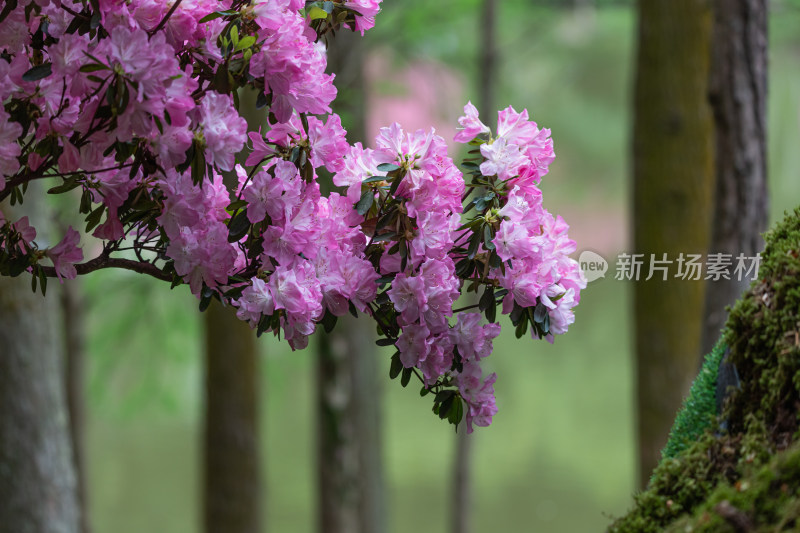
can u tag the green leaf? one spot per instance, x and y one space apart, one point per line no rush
234 33
93 218
522 328
388 167
365 202
487 299
406 377
93 67
385 342
328 321
456 413
238 226
68 185
539 313
444 408
316 13
397 366
42 281
373 179
235 205
443 395
205 298
216 15
491 313
424 391
474 242
38 72
385 237
487 238
246 42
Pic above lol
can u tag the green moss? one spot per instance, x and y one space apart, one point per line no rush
746 478
765 500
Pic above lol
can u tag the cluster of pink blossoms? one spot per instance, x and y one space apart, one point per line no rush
532 243
134 104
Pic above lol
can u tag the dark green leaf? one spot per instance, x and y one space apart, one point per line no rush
406 377
444 408
93 218
487 237
42 281
387 167
68 185
539 313
487 299
522 328
238 226
328 321
443 395
474 242
397 366
491 313
365 202
456 413
38 72
93 67
385 342
373 179
385 237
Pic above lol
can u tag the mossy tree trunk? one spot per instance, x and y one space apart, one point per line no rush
738 94
232 486
37 474
672 194
350 495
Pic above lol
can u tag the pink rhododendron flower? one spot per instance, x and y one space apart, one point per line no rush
65 254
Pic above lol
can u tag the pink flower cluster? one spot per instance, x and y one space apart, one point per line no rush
312 245
533 244
134 105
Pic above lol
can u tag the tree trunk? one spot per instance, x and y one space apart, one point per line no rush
738 98
350 482
37 476
72 307
232 486
461 493
672 195
350 466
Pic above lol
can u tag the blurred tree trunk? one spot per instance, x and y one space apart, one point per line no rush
461 492
232 484
349 460
232 488
738 99
37 475
672 200
72 308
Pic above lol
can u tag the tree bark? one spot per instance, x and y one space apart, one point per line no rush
672 195
72 307
461 493
350 494
232 467
37 476
738 95
350 482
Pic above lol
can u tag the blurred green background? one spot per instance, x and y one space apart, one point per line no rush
559 456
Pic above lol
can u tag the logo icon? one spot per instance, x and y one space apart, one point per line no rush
593 265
